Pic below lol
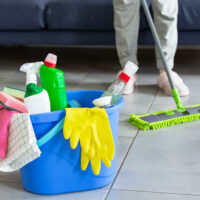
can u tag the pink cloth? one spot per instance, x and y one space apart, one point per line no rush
5 117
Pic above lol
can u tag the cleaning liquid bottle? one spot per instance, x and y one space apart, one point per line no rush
36 99
113 94
53 81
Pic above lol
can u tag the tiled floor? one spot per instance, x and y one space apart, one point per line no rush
151 165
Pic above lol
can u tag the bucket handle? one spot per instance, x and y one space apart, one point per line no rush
53 132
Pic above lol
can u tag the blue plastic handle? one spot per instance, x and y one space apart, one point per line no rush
54 131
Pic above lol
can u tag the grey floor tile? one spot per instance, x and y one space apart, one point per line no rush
193 85
164 102
139 101
10 177
191 100
122 149
126 129
1 86
187 100
157 107
161 106
72 79
144 77
16 79
5 75
127 195
166 160
15 191
99 194
190 77
97 81
161 97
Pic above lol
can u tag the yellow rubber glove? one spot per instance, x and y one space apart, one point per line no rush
107 148
105 137
79 125
90 126
95 162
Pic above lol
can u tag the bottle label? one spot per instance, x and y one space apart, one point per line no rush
55 85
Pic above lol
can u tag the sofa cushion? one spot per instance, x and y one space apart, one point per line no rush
22 14
82 15
98 15
189 15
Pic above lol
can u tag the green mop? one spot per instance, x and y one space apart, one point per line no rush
170 117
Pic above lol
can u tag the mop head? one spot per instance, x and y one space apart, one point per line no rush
165 118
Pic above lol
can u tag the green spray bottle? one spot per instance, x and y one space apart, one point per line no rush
53 82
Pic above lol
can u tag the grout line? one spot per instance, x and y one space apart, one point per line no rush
10 182
110 188
153 99
120 136
181 194
81 80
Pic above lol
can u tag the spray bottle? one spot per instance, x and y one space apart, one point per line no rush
113 94
36 99
53 81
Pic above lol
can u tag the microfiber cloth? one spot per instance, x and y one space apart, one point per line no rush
5 116
22 144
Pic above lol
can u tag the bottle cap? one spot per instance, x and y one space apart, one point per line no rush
124 77
50 60
129 70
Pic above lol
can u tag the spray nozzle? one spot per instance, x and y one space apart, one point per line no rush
31 70
50 60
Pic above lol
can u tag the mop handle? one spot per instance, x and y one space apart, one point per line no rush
158 44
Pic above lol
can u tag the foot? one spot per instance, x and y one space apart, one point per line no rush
129 87
163 83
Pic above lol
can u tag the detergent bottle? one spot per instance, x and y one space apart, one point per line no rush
36 99
113 94
53 81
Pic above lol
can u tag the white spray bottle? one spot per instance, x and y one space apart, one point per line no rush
113 94
36 99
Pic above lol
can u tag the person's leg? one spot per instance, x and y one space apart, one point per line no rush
165 19
126 22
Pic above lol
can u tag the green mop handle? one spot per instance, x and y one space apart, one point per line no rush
158 44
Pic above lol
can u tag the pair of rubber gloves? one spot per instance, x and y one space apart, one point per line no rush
91 127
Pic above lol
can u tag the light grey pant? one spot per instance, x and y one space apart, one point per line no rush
126 21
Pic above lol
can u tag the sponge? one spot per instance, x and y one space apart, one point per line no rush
103 102
17 93
11 103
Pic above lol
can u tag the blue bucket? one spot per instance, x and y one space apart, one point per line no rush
58 169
